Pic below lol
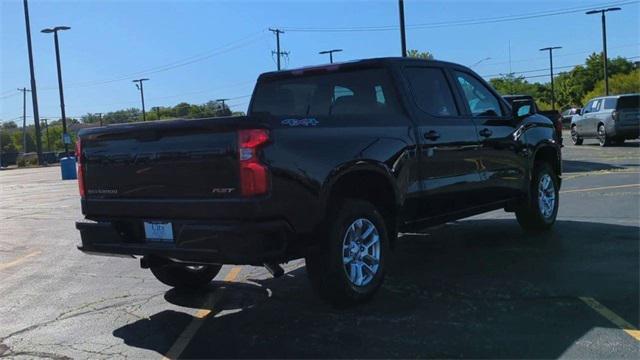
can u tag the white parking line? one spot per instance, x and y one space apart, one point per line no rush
600 188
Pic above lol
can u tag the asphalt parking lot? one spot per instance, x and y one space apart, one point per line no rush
475 288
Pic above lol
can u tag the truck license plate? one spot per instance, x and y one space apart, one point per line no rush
155 231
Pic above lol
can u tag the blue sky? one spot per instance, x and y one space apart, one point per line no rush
196 51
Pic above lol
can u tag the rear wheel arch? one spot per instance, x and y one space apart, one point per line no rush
368 183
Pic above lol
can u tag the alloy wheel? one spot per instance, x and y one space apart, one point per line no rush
361 250
546 196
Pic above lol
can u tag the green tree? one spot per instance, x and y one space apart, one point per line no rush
413 53
511 84
9 125
182 109
618 84
17 140
572 86
8 145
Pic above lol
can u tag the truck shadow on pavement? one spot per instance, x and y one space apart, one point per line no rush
473 288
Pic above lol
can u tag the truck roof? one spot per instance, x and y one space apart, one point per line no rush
357 64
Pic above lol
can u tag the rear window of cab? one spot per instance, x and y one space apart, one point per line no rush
358 92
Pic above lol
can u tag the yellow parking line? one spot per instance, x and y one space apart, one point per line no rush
19 260
198 319
600 188
233 273
611 316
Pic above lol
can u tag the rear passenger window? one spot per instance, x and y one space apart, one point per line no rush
431 91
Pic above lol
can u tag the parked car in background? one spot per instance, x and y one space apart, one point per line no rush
568 114
610 119
553 115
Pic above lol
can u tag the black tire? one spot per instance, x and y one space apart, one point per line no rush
603 138
530 216
325 266
575 138
185 277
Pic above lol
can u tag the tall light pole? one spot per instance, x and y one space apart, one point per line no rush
403 36
604 42
553 94
65 135
34 92
330 52
141 88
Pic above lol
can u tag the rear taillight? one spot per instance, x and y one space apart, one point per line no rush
80 167
254 176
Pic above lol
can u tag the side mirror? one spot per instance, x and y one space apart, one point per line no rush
585 111
522 108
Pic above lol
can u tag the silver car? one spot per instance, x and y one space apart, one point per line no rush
610 119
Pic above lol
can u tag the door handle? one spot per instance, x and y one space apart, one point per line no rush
486 132
432 135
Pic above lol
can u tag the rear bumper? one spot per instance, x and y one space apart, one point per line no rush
199 242
627 132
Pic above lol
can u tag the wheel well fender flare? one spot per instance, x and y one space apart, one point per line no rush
549 151
340 173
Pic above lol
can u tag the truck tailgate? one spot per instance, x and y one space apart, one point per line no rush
183 159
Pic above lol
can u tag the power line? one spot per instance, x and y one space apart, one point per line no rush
560 55
547 69
464 22
8 96
175 64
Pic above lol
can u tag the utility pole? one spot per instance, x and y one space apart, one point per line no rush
46 124
278 52
65 135
553 94
403 36
141 88
24 118
158 112
100 117
222 101
604 43
34 92
330 52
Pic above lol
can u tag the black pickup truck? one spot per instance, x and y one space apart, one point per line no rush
330 164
